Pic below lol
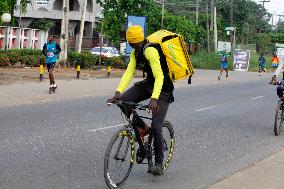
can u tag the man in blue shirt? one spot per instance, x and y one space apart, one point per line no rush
261 63
224 64
51 50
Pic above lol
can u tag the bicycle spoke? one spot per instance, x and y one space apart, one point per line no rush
118 159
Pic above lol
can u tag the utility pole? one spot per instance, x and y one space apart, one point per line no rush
101 42
215 30
207 26
82 25
197 11
272 20
264 1
279 15
64 32
212 15
232 23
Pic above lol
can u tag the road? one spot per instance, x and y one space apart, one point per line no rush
219 129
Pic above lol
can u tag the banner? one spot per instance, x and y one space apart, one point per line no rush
241 60
279 49
223 45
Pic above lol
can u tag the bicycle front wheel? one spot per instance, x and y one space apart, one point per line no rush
278 118
119 158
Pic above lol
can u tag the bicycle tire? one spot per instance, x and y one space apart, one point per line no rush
123 134
278 119
168 156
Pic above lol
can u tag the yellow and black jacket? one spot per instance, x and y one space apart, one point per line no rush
152 61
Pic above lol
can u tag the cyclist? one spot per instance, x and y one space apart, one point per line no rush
224 64
51 50
157 86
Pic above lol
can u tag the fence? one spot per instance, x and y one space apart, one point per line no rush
14 37
20 38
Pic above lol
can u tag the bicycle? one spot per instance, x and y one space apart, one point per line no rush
279 117
124 150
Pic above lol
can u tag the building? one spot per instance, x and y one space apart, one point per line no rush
52 9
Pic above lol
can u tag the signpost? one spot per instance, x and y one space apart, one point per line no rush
232 31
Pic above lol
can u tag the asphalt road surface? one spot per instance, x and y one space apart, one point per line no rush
219 129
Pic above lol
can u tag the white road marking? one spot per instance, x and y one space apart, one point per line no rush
257 97
87 95
104 128
206 108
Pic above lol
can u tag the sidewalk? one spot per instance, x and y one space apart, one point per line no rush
266 174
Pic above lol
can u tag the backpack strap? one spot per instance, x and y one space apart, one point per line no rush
145 46
171 96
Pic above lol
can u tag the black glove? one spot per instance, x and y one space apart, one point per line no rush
114 98
153 105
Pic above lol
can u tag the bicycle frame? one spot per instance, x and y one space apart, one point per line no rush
137 133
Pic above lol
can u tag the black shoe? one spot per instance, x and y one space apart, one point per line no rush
152 169
156 170
54 87
50 90
159 170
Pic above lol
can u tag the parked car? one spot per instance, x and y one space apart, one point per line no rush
106 51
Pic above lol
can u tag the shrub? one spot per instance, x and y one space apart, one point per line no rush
72 58
13 56
88 60
253 65
85 59
211 61
4 59
116 62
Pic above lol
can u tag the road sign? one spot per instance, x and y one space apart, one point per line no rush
230 28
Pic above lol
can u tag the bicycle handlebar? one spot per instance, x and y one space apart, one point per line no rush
132 105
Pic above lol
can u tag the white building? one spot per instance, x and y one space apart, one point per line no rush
52 9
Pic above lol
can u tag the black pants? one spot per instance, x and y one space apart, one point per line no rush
142 91
280 90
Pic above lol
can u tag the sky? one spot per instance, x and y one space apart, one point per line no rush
275 7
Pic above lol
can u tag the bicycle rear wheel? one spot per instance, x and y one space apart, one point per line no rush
169 144
119 158
278 118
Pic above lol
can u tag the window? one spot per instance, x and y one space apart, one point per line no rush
42 2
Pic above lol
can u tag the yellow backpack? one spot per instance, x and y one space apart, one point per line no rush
174 49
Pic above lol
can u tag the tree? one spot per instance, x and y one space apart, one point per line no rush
115 11
115 20
42 24
263 42
248 16
280 27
